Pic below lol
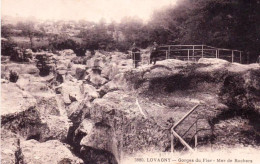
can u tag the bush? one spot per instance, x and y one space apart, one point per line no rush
65 43
13 77
7 47
60 44
42 65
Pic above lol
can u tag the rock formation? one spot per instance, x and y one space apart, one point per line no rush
98 109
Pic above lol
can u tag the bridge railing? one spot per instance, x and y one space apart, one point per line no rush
193 127
195 52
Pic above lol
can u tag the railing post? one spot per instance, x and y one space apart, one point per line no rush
232 56
240 57
169 51
193 52
121 149
176 135
172 143
216 53
196 136
132 57
142 60
188 55
182 141
202 52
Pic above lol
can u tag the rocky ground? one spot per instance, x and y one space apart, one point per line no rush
99 109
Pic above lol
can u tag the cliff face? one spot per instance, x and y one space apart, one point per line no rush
106 110
229 92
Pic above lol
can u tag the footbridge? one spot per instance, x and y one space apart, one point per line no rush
193 53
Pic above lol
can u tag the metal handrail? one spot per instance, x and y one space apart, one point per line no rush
202 45
173 133
203 49
191 52
185 116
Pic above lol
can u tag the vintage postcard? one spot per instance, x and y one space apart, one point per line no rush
130 82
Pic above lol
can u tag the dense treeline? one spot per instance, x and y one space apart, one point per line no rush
221 23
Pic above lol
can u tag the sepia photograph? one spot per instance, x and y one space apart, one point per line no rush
130 82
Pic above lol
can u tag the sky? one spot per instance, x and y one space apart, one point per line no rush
91 10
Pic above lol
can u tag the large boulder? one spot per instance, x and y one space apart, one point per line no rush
163 68
239 83
21 69
212 61
36 115
96 142
80 59
63 66
115 124
53 113
117 63
119 82
51 151
114 68
64 61
19 113
72 91
14 100
98 136
57 128
241 90
95 79
48 105
99 143
10 148
226 89
67 54
84 128
78 71
98 60
91 92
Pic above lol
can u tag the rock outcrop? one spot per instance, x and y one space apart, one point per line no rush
19 113
51 151
17 150
10 148
105 109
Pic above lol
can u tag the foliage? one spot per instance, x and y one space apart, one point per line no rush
28 30
134 31
7 47
6 30
13 76
231 24
57 42
97 37
221 23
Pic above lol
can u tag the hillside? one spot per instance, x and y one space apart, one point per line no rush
99 109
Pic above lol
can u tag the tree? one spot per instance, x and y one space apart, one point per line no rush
222 23
28 30
6 30
97 37
133 30
7 47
